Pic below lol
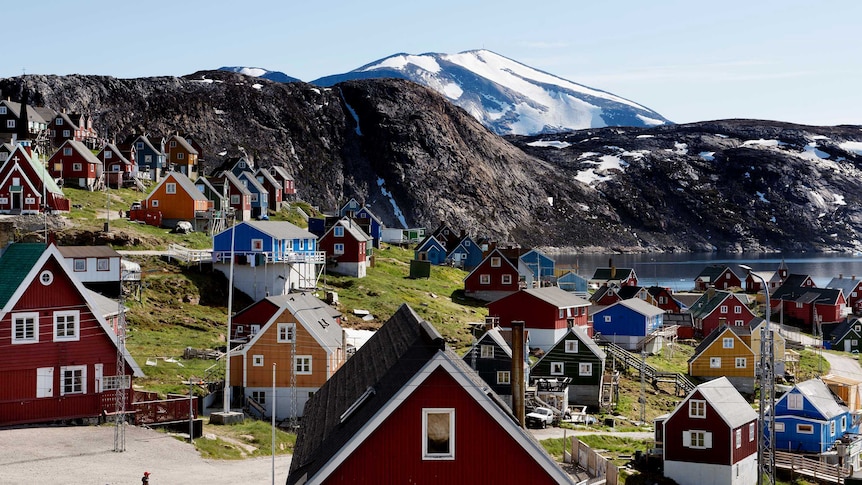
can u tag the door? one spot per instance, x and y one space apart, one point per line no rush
45 382
847 347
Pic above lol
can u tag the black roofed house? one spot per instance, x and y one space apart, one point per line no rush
718 276
407 409
579 358
847 336
491 358
611 275
808 306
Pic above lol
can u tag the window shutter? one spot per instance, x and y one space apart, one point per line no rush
707 440
686 439
45 382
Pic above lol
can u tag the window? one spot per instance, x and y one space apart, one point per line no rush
832 428
67 152
585 369
750 432
438 434
697 439
234 199
338 248
723 309
80 264
108 154
739 323
557 368
741 362
259 396
737 309
696 408
805 428
504 377
843 423
140 144
2 110
506 279
254 197
571 346
253 329
794 401
10 123
338 231
67 134
484 279
59 121
286 332
779 427
154 202
798 304
486 351
77 167
302 364
715 362
257 361
739 438
25 328
171 188
73 379
257 244
46 277
607 319
727 343
103 264
111 383
858 328
496 262
173 143
66 326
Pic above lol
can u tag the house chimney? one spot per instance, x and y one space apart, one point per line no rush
518 371
710 292
840 276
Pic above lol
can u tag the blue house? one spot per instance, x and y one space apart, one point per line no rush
259 195
269 257
810 418
535 266
375 226
628 322
431 249
150 159
573 282
466 255
350 208
491 358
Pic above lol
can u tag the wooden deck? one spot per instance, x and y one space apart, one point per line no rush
811 468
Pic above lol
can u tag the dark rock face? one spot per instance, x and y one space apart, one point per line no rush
412 156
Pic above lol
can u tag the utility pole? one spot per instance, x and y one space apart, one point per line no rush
121 380
643 387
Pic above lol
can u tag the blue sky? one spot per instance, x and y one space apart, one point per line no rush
688 60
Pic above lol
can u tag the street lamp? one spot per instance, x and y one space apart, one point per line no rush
765 451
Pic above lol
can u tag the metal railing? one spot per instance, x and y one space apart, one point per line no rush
812 468
650 373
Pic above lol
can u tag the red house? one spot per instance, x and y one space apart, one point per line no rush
118 168
716 308
663 298
272 186
347 247
803 306
710 438
24 183
238 196
286 179
605 296
76 165
852 289
495 277
407 409
59 359
546 313
717 276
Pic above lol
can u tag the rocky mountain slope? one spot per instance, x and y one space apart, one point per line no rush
414 157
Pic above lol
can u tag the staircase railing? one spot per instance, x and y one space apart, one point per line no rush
630 360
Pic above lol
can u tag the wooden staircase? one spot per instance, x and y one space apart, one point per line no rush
629 360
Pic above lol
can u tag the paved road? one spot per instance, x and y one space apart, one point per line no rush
844 366
84 455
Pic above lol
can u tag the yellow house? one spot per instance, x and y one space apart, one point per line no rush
724 352
779 344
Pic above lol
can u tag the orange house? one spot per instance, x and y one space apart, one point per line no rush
298 333
181 156
177 198
724 352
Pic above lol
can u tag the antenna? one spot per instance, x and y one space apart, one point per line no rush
120 387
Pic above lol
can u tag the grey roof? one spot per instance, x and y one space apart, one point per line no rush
641 307
253 183
315 316
104 251
282 172
236 182
183 143
83 150
116 154
497 336
147 142
844 284
262 172
388 361
353 229
33 114
726 401
819 395
557 296
106 306
280 230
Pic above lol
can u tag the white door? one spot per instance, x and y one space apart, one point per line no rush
847 347
45 382
99 371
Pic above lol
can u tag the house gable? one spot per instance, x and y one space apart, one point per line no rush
575 355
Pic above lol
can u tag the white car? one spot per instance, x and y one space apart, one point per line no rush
540 417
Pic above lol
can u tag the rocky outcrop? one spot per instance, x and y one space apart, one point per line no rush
414 157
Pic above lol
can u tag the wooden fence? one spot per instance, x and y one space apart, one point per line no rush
596 465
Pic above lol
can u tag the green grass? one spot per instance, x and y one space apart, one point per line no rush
811 364
251 438
672 358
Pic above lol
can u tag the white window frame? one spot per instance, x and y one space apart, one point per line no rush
302 365
338 248
585 369
108 154
22 318
504 377
571 346
71 333
286 332
723 309
802 428
715 362
77 167
10 123
257 360
257 244
338 231
751 432
506 279
795 401
170 188
496 261
103 264
80 264
67 152
428 454
738 438
77 387
697 408
484 279
832 428
607 319
727 343
486 351
259 396
181 156
697 439
154 203
234 199
843 423
558 368
779 427
741 362
737 309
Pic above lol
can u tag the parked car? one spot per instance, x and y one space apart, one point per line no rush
540 418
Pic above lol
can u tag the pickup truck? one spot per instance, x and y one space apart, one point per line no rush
540 418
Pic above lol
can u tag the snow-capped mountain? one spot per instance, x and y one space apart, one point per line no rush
506 96
276 76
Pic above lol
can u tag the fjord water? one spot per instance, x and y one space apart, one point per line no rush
678 270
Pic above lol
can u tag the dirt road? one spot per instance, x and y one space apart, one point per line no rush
84 455
845 366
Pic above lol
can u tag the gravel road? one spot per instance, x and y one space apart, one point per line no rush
844 366
84 455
